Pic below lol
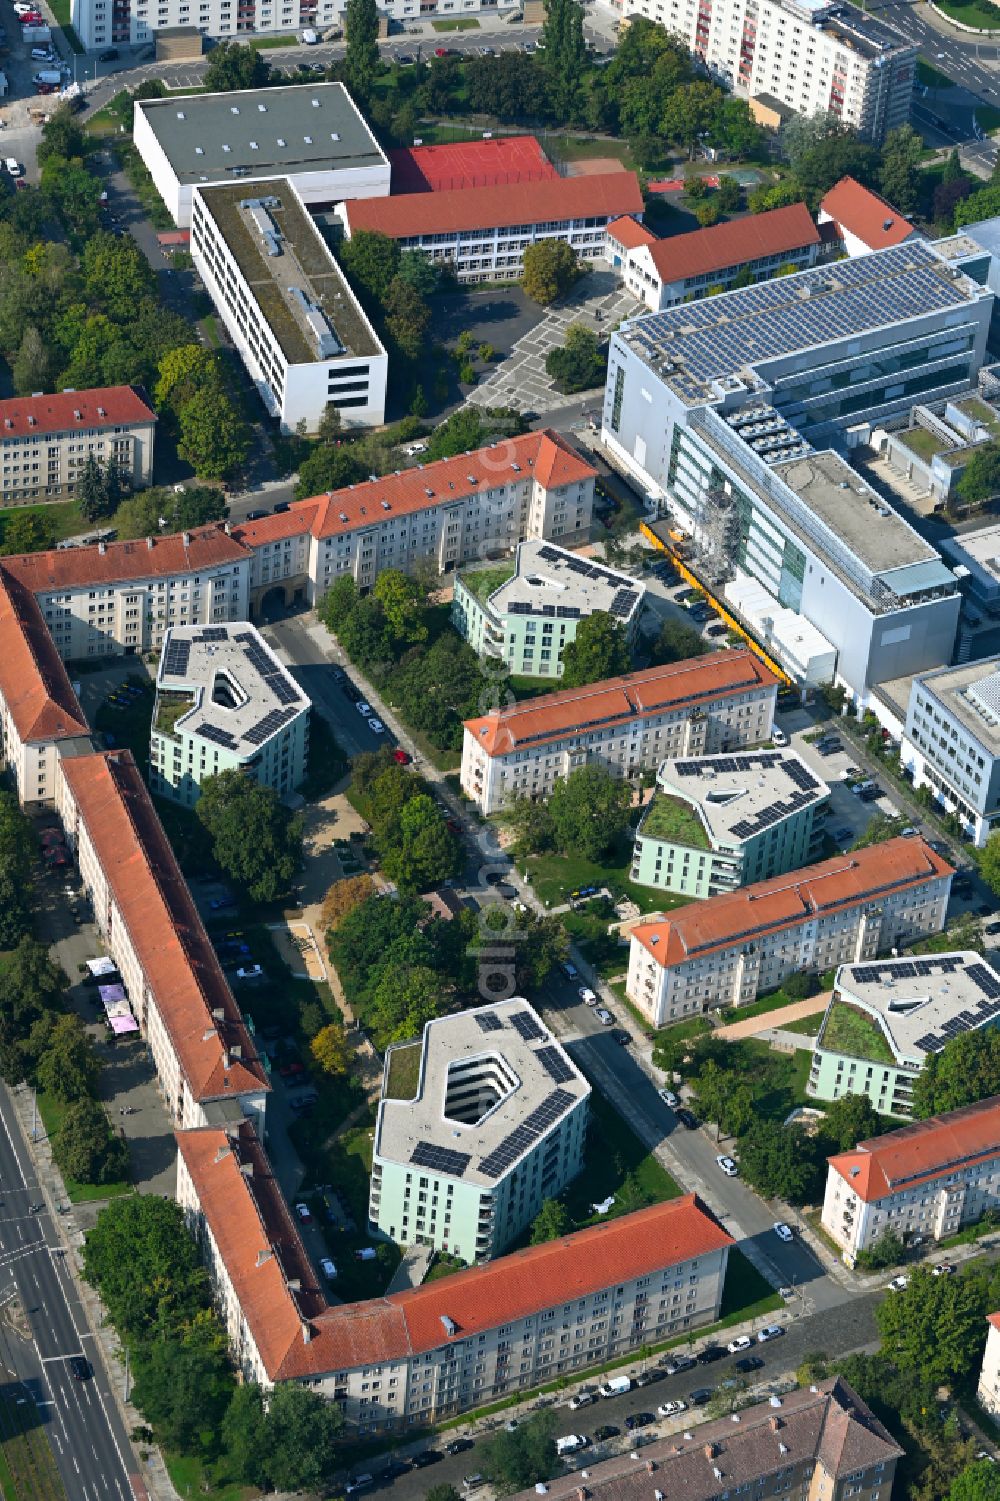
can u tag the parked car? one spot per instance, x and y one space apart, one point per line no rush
771 1331
898 1283
250 972
583 1398
376 726
747 1364
700 1396
256 515
363 708
650 1377
728 1166
569 970
459 1446
741 1342
943 1269
779 737
587 996
426 1457
639 1420
606 1431
304 1213
678 1363
79 1368
784 1232
604 1017
328 1269
687 1118
400 757
669 1098
710 1354
671 1409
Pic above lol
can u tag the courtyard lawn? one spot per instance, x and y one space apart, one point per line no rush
64 516
747 1294
598 946
615 1162
851 1031
52 1112
773 1002
191 1479
554 876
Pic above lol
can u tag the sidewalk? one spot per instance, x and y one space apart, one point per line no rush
753 1026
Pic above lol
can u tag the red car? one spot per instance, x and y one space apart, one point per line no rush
401 757
442 51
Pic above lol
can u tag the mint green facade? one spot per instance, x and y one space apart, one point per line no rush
888 1086
531 645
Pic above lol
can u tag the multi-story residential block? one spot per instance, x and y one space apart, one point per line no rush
724 701
885 1018
298 326
122 597
439 516
926 1179
39 711
527 615
816 56
724 412
663 272
988 1391
730 949
718 822
399 1362
314 138
820 1443
480 1121
45 441
951 741
481 233
206 1063
864 222
225 703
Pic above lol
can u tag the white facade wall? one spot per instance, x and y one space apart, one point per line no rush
989 1380
32 764
735 974
498 254
37 467
936 1208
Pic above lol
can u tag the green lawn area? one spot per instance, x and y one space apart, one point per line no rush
64 516
600 948
932 77
169 708
978 13
27 1460
919 441
482 582
614 1156
773 1002
554 876
569 148
979 411
851 1031
61 10
404 1071
52 1111
263 42
460 23
746 1294
806 1026
191 1480
443 1265
675 821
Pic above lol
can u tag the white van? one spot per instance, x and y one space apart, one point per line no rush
617 1386
42 55
570 1442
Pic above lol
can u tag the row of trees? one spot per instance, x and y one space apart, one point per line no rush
585 815
17 851
145 1264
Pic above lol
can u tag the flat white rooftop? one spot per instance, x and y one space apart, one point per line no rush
558 584
733 798
240 695
971 692
493 1082
922 1003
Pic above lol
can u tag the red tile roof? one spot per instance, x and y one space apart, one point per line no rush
605 195
216 1053
617 700
920 1152
470 164
630 233
544 456
33 681
865 215
777 232
74 411
247 1215
772 906
113 562
994 1319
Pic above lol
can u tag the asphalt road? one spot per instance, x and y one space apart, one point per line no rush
312 668
80 1417
833 1332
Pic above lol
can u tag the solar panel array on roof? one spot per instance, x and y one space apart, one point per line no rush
530 1129
772 814
440 1159
550 555
555 1064
268 726
906 969
489 1021
176 658
269 670
623 603
715 764
213 732
212 633
526 1026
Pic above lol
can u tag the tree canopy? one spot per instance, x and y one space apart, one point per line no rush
514 1461
578 365
598 651
934 1326
967 1069
589 809
550 266
256 840
231 66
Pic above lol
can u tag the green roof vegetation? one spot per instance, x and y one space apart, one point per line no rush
169 708
851 1031
921 442
482 582
673 820
404 1071
979 411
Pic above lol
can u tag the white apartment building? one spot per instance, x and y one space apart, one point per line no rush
811 55
726 411
314 138
440 515
225 703
728 950
469 1145
45 441
926 1179
119 598
399 1362
887 1017
298 326
206 1063
723 701
481 233
39 711
989 1380
951 741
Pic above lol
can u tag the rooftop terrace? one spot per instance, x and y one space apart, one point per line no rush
733 798
918 1004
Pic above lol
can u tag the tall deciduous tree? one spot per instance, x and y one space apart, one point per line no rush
234 66
331 1050
599 651
255 838
32 365
967 1069
69 1067
86 1148
343 897
551 1222
145 1264
362 63
899 171
550 269
934 1327
27 531
981 479
513 1461
565 56
589 809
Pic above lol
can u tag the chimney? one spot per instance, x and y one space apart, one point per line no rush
187 539
295 1284
307 1333
775 1424
207 1036
218 1015
650 1466
236 1051
227 529
246 1168
102 548
149 543
709 1451
264 1255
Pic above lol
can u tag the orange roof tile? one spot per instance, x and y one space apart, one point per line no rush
994 1319
112 562
33 681
630 233
469 164
247 1215
74 411
920 1152
867 216
703 251
544 455
605 195
616 700
771 906
216 1053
